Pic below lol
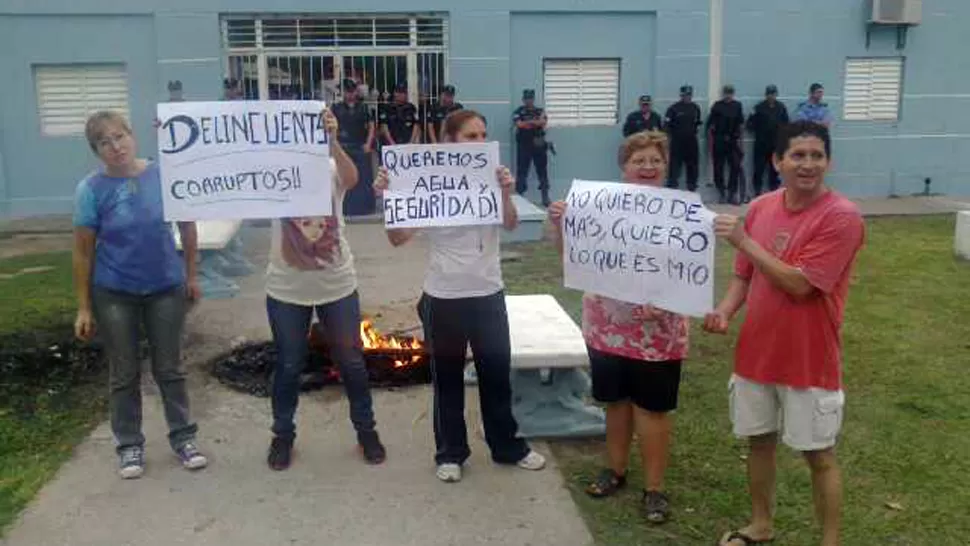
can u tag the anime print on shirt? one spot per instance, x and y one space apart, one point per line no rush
311 242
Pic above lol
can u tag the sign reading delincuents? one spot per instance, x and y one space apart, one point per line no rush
239 159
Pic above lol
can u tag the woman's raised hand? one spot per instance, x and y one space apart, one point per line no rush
381 182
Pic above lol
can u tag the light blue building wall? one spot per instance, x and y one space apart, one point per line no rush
497 48
794 43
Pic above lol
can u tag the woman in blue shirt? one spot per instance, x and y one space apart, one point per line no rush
128 276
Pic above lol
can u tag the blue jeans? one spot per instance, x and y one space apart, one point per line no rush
341 327
121 318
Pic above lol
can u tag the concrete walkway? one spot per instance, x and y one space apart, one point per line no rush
329 496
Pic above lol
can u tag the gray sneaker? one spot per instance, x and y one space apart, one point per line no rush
191 457
131 462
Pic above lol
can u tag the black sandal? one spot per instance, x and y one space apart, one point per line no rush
748 541
606 484
656 507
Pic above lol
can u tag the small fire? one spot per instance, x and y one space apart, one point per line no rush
373 339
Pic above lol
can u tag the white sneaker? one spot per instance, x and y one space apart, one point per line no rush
532 461
449 472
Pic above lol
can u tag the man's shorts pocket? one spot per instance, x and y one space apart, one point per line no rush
827 418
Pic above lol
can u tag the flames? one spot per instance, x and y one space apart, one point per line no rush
410 349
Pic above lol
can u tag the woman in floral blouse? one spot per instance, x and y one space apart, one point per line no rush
635 354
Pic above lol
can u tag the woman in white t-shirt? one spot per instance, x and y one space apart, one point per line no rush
311 271
464 304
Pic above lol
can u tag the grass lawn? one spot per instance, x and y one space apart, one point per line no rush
39 424
906 439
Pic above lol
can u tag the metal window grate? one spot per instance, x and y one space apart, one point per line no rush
364 32
873 89
431 32
581 91
68 94
240 33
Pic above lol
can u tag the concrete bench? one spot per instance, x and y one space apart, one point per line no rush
220 257
543 335
531 219
550 386
961 240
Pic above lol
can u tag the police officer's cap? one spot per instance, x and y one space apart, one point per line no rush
349 84
771 90
686 90
646 99
728 89
528 94
401 88
448 90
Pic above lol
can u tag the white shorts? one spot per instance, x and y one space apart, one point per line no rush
808 419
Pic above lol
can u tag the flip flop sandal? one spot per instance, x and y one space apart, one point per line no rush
748 541
607 484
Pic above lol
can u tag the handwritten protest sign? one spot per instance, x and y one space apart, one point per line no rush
441 185
640 244
238 159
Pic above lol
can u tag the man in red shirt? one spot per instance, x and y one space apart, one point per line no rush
795 249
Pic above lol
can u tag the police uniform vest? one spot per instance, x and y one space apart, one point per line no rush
439 112
400 120
528 136
353 120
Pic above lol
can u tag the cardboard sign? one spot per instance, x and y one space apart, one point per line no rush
240 159
442 185
640 244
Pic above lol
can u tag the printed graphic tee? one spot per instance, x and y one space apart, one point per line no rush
309 259
135 248
798 342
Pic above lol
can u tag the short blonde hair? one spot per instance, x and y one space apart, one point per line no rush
642 141
95 128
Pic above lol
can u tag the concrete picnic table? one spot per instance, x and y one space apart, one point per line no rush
550 385
220 257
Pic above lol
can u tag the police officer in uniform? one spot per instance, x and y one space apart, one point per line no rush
644 119
725 125
357 138
399 119
814 109
682 121
768 116
531 146
439 111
